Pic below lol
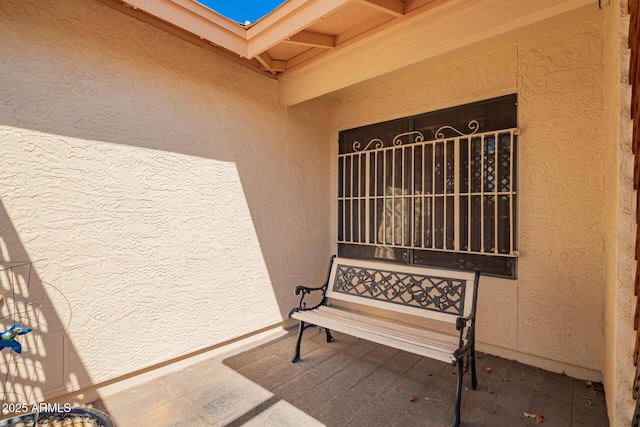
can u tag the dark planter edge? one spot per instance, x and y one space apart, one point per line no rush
94 413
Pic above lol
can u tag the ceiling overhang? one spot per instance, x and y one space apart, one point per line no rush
450 33
315 47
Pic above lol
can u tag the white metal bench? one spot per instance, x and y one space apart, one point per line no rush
443 295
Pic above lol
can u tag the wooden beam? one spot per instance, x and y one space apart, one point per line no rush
197 20
392 7
269 64
289 19
307 38
184 35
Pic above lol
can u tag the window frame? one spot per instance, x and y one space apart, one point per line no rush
492 122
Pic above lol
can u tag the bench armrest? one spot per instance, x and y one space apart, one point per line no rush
461 322
462 350
305 290
467 343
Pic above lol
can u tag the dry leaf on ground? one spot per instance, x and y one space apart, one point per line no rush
537 417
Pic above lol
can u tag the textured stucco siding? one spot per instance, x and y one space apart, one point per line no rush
168 202
619 221
554 310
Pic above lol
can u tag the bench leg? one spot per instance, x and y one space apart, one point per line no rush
296 356
460 363
329 336
474 378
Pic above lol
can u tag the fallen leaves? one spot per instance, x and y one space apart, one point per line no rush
596 387
539 418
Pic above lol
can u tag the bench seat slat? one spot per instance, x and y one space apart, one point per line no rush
385 326
419 341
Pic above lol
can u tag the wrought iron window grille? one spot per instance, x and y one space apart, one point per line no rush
406 197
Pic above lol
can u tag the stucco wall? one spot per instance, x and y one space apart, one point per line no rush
166 199
553 312
619 220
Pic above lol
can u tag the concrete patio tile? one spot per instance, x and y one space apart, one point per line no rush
330 389
257 370
380 355
226 384
288 343
500 417
524 376
314 356
344 408
409 419
227 407
352 385
298 386
192 379
474 409
175 412
361 348
371 412
592 417
554 385
342 341
491 370
588 395
441 389
379 414
280 414
195 420
482 397
401 362
276 372
140 399
425 369
262 352
556 412
336 363
399 400
377 382
513 399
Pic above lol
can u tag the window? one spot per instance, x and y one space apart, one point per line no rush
435 189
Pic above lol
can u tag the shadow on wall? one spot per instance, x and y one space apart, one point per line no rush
174 202
104 76
41 369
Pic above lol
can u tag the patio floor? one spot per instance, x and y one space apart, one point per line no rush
351 382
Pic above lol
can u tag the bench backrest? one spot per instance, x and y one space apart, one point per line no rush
427 292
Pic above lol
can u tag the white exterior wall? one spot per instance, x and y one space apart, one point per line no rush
169 203
552 315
